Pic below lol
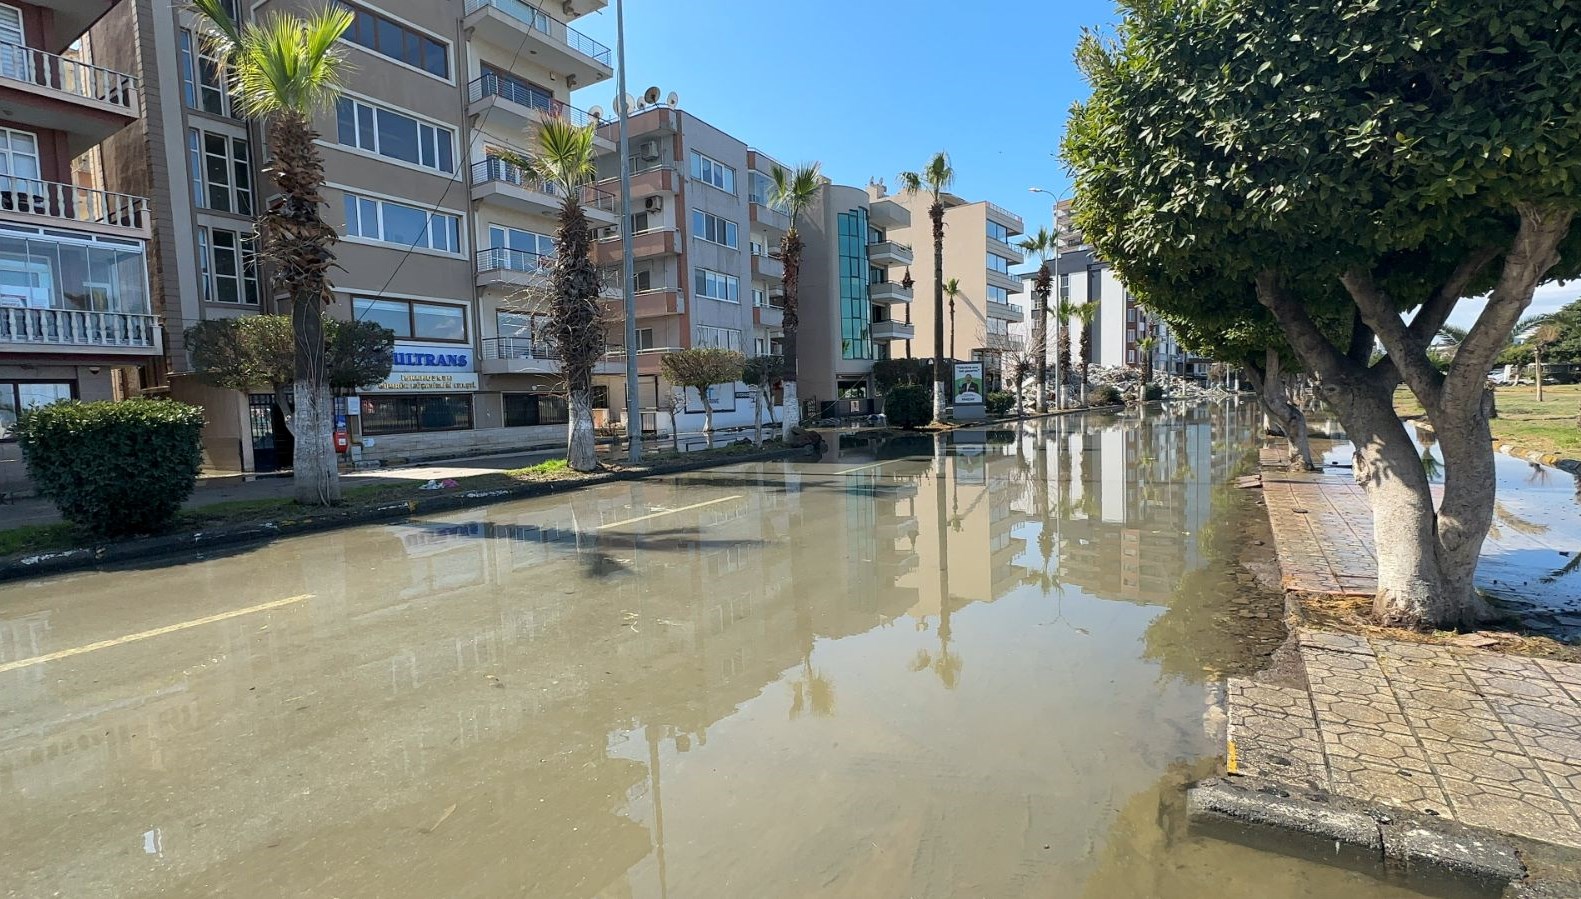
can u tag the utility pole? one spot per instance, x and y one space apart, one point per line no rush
628 277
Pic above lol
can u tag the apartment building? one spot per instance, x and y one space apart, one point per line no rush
442 239
706 267
979 251
855 295
76 319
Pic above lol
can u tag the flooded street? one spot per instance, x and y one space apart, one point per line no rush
911 669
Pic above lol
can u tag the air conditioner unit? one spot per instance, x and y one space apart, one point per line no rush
653 204
649 150
609 233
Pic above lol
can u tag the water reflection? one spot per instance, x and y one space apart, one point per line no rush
915 668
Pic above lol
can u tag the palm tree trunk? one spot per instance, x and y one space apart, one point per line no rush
708 417
1537 358
757 416
1086 360
790 257
581 449
1040 333
940 372
576 325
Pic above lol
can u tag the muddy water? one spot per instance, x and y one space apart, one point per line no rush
966 669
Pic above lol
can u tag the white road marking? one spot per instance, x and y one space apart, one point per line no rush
616 524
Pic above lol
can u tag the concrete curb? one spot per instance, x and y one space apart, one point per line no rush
1552 460
1334 826
29 565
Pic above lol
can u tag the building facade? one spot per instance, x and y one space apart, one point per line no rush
76 317
979 252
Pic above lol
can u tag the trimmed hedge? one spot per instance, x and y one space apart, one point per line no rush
908 406
999 402
114 469
1104 395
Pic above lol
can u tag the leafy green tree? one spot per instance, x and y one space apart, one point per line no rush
701 368
1354 160
1045 244
935 180
794 191
280 71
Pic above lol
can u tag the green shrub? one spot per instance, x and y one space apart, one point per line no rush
1152 392
114 468
907 406
1104 395
999 402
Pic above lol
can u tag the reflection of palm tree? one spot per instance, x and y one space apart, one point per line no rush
1505 516
1430 464
813 691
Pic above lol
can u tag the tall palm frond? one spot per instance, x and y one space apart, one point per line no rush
794 190
935 179
1043 244
562 154
281 64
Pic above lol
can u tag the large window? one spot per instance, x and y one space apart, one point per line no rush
712 228
396 223
997 263
19 396
524 410
1064 285
998 232
229 268
711 171
998 294
222 175
856 327
523 241
716 285
414 319
105 275
387 37
504 84
419 412
718 338
395 135
202 78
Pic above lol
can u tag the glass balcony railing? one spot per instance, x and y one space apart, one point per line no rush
505 89
549 26
497 170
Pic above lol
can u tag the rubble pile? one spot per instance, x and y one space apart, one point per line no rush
1128 381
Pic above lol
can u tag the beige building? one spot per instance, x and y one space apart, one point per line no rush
979 251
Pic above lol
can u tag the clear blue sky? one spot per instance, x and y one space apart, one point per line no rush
859 94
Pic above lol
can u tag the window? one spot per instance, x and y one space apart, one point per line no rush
229 268
642 221
717 286
222 177
998 232
757 248
644 339
1064 285
1130 314
414 319
17 397
760 346
202 78
19 162
411 414
712 228
1130 355
498 82
998 294
997 263
760 187
524 410
1095 285
389 222
519 250
711 171
398 42
760 297
394 135
718 338
642 280
856 327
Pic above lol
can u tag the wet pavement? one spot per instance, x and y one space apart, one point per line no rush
974 668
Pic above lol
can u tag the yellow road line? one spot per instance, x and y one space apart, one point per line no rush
156 632
616 524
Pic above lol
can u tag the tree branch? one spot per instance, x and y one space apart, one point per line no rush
1431 315
1361 339
1409 353
1315 349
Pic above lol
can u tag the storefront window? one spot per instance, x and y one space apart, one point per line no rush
416 413
524 410
17 397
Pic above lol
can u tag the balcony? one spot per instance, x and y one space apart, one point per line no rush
526 356
889 252
644 244
653 303
514 107
768 268
888 292
1005 217
79 331
1008 250
1004 311
497 181
769 218
506 268
1003 342
889 329
887 214
521 30
768 316
87 102
647 359
1009 282
53 205
656 178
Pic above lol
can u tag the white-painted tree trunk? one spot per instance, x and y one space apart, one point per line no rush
581 451
940 388
791 413
315 479
757 416
708 419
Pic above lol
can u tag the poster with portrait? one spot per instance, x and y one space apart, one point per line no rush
968 383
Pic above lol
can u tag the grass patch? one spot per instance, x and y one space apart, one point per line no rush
1546 427
34 538
552 470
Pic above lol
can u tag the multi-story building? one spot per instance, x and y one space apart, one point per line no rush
76 319
705 247
855 301
979 252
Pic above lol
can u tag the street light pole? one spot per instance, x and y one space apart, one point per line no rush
1059 379
628 278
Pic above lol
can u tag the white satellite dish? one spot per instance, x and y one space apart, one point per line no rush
673 99
631 102
596 112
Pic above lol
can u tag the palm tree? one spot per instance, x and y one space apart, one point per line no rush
281 70
1544 334
1046 245
952 289
935 179
1064 311
1144 347
1086 313
562 155
793 192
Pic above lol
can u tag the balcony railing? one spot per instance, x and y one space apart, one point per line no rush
492 85
69 76
1008 250
70 203
548 25
498 170
77 327
496 259
1007 214
768 215
519 348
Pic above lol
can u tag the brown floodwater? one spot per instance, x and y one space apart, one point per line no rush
911 669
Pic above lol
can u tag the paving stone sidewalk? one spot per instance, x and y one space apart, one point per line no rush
1486 739
1322 528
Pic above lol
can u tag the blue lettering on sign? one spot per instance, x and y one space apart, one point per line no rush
432 360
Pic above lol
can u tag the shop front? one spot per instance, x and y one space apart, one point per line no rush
424 409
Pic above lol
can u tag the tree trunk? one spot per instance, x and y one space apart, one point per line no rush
285 399
315 480
1537 359
581 453
1040 334
936 213
708 418
790 257
790 409
757 416
1292 422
